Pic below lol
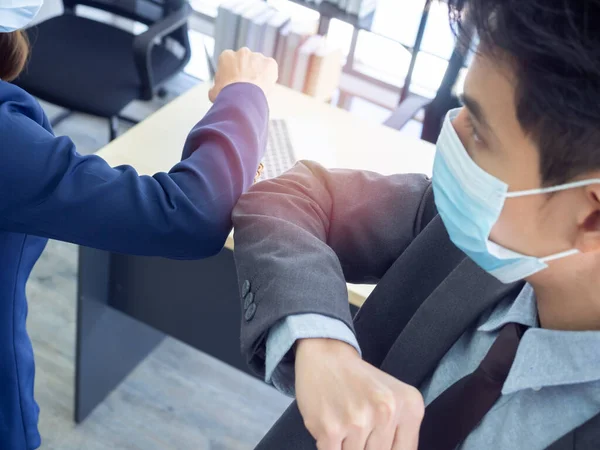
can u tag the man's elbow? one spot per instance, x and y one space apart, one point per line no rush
249 203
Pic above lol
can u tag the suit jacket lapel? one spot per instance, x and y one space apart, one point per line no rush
567 442
446 314
458 301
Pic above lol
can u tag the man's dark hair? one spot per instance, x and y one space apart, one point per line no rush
554 48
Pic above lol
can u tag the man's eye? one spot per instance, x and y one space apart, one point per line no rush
473 131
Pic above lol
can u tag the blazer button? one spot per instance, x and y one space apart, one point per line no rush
250 312
248 300
245 288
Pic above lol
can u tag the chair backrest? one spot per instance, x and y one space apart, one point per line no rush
144 11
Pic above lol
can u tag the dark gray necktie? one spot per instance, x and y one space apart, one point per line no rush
458 410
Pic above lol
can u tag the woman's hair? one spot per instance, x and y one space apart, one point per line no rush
554 48
14 50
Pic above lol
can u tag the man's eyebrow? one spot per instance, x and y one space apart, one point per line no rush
475 109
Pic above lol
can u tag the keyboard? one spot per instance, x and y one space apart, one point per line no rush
279 156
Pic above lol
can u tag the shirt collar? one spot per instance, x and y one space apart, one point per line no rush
523 311
545 358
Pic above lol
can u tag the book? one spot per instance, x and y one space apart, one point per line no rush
231 25
271 33
324 72
246 18
223 35
256 30
303 58
281 44
298 33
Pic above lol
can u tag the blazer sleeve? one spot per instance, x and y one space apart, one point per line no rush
300 237
50 190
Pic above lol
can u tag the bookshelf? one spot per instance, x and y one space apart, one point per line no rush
329 11
409 103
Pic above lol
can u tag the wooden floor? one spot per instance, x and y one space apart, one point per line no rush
179 398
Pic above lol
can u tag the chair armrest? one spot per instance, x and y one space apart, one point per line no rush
143 44
212 69
406 111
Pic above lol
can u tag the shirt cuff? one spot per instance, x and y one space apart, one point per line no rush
279 370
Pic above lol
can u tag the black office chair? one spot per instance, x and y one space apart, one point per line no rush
95 68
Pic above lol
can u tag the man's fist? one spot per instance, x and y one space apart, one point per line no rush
347 404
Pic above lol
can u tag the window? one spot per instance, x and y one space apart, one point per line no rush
439 38
381 58
398 19
388 59
428 74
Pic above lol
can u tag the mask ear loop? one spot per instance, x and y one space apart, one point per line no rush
562 187
560 255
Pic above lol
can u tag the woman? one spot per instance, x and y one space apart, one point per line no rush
50 191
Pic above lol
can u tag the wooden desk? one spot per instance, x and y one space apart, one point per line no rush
343 141
123 301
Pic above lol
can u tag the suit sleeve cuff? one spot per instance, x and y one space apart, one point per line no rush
279 370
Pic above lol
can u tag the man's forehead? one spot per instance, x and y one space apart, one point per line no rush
491 83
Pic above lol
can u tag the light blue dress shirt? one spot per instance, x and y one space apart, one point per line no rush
552 388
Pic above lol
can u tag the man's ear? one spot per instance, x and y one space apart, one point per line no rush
588 239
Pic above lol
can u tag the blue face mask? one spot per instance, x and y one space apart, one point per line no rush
470 200
17 14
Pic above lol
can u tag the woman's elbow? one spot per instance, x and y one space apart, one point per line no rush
218 239
205 238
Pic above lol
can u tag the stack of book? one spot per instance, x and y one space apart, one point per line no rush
251 23
307 62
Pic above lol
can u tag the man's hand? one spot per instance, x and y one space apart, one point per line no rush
347 404
244 66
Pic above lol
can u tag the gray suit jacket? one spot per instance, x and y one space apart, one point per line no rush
300 237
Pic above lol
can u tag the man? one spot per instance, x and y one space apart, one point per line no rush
506 234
